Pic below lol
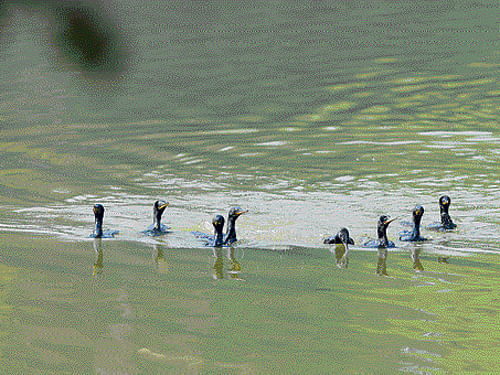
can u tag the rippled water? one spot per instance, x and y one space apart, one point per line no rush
312 117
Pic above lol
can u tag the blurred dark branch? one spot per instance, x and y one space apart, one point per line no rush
83 34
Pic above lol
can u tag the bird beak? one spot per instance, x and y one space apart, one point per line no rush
241 212
163 206
387 222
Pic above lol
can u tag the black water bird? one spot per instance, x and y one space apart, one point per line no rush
381 241
218 223
414 234
446 223
157 228
342 240
342 237
234 213
230 237
99 217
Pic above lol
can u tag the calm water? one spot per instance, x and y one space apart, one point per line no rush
312 117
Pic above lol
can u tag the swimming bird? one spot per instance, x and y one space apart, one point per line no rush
381 241
157 228
99 217
342 240
446 222
234 213
230 237
218 223
342 237
414 234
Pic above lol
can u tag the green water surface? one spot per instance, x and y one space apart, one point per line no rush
311 115
154 309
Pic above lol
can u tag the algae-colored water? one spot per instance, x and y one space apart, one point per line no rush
312 116
153 309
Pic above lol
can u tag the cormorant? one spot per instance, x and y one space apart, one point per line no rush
157 228
234 213
218 223
99 216
342 237
446 222
342 240
414 234
381 241
230 236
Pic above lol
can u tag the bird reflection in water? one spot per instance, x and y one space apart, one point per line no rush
99 257
415 257
381 269
382 253
341 255
159 259
233 266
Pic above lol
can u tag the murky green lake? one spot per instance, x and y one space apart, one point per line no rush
312 116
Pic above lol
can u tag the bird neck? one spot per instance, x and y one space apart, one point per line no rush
446 219
231 231
416 226
443 209
445 216
218 237
157 221
382 235
98 228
